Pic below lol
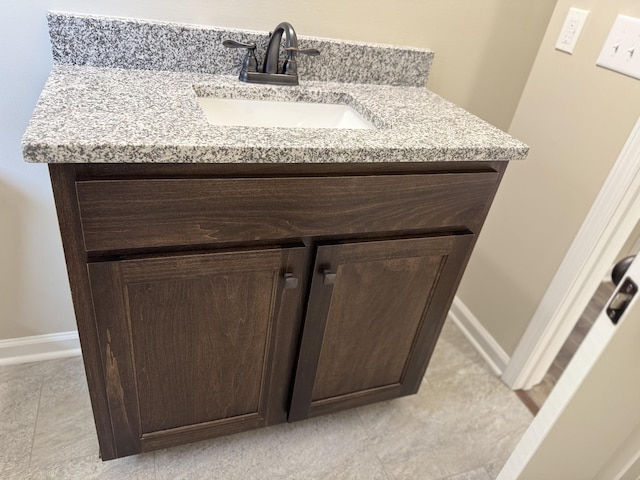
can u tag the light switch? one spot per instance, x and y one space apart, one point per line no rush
571 29
621 51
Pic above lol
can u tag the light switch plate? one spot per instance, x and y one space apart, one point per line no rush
621 50
571 29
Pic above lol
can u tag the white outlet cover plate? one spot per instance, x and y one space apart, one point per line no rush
571 29
621 50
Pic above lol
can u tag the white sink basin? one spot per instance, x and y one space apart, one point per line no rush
268 113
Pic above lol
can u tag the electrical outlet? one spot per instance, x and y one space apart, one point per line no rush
571 29
621 50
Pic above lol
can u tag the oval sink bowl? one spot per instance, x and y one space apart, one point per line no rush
269 113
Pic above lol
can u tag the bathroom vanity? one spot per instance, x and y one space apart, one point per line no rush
226 278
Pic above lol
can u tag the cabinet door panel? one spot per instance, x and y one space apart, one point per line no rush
190 343
200 347
373 309
370 330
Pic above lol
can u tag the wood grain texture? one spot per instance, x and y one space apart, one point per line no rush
95 171
189 342
64 192
376 307
362 336
117 357
201 431
201 347
136 239
436 313
129 214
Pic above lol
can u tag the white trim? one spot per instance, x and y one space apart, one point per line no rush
479 337
39 347
560 398
592 252
590 421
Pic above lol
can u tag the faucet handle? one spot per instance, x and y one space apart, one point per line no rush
290 66
312 52
250 62
234 44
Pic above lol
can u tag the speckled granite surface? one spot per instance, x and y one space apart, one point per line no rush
142 44
103 114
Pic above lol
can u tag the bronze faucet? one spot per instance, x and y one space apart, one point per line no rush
271 73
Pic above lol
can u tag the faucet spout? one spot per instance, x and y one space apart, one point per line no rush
272 56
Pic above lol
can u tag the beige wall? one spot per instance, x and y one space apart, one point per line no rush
484 51
576 117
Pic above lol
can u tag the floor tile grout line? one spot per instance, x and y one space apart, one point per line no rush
35 423
387 476
473 470
155 465
384 468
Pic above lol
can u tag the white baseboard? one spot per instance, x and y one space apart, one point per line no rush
39 347
479 337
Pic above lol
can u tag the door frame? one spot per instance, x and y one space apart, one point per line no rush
603 233
589 427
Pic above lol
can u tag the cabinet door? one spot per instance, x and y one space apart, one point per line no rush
195 346
374 314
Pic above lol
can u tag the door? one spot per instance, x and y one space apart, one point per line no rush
196 345
603 233
375 311
589 427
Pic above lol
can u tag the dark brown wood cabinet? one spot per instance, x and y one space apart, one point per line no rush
213 299
196 345
374 313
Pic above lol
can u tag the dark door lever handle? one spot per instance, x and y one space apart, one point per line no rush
621 268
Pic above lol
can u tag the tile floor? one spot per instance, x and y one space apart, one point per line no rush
461 426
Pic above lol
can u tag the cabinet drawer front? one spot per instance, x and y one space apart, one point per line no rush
129 214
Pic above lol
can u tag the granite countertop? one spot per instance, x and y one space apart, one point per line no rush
100 110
